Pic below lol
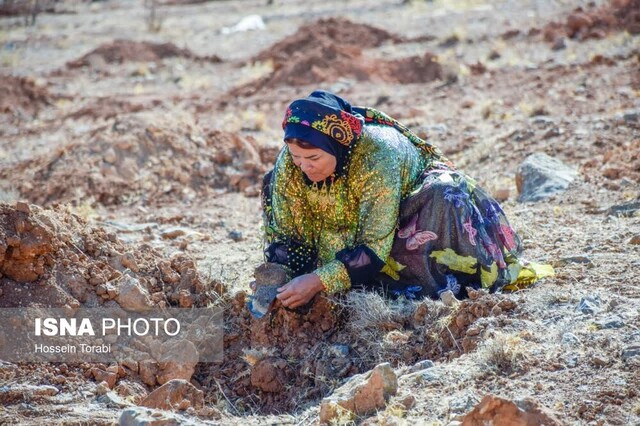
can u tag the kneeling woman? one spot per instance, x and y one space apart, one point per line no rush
356 200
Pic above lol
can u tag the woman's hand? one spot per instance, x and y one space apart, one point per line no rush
300 290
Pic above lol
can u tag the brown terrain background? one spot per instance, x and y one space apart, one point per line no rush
133 138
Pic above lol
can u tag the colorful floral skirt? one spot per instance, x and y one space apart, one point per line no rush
454 236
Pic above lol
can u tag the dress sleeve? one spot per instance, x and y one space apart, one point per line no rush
283 243
378 180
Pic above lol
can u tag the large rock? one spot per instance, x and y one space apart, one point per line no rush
362 394
541 176
140 416
493 410
178 361
133 296
175 395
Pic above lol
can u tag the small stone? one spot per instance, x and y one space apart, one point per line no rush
141 416
59 379
559 43
624 210
339 351
585 260
408 402
236 236
610 322
422 365
113 400
174 394
570 339
600 360
631 116
552 133
498 411
630 352
173 233
23 206
542 120
635 240
448 298
102 388
589 305
105 376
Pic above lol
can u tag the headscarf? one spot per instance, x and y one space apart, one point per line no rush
326 121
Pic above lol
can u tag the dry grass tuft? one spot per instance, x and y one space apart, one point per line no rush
505 353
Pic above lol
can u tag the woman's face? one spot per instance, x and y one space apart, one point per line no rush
314 162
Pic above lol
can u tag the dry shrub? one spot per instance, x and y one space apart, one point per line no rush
505 354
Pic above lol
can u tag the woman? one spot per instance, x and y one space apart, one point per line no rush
356 200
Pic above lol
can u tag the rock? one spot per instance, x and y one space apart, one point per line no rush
105 376
541 176
635 240
589 305
429 374
175 395
578 21
552 133
493 410
613 321
624 210
362 394
422 365
16 393
269 374
462 404
339 351
139 416
133 391
178 360
133 296
542 121
236 236
600 360
630 352
23 206
113 400
631 116
559 43
448 298
148 371
574 259
570 339
408 402
173 233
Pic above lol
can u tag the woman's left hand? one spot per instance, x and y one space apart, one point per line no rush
300 290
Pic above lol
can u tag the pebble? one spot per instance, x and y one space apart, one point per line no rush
575 259
236 235
630 352
422 365
613 321
635 240
570 339
339 350
631 116
589 305
600 360
542 120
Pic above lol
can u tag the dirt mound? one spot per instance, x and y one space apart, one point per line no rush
333 48
338 32
52 258
20 96
142 158
121 51
289 359
581 24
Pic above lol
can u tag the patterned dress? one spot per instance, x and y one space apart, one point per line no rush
401 220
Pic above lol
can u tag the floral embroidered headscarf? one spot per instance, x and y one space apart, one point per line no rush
324 120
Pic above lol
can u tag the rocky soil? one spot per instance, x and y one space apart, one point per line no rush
131 152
